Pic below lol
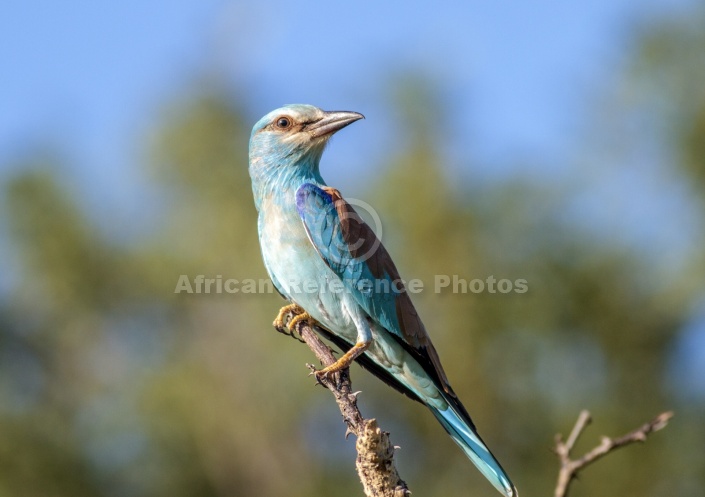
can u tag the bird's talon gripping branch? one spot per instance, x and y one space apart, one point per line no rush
344 361
280 323
322 375
304 316
280 320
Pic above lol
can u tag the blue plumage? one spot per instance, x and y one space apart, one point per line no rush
321 220
465 435
324 259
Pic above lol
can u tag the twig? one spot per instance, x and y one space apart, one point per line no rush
570 468
375 453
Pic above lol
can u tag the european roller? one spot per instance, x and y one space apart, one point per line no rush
337 275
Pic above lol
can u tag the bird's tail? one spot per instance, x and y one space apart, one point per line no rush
461 429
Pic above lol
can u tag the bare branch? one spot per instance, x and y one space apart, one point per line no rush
584 419
375 453
570 468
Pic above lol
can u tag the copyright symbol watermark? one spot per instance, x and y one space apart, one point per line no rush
344 231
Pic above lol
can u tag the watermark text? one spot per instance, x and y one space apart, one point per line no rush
442 283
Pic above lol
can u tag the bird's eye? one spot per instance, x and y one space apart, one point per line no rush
283 123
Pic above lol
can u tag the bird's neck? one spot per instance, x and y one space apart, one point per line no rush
280 180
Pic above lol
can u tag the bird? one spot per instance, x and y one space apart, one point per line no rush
329 264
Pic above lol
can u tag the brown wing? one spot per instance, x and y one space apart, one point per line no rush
364 243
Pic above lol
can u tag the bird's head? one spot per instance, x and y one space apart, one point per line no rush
294 136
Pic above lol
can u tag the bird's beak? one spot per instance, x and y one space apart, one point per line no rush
333 121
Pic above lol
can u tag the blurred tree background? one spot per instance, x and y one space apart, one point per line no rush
113 385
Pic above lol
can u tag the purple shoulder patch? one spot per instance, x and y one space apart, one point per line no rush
303 193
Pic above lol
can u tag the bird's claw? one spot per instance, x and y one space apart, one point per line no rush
290 333
284 312
321 375
283 321
301 317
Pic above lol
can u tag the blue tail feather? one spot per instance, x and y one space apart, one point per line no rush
463 433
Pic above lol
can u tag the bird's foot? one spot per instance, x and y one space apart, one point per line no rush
280 321
298 314
342 363
288 313
302 317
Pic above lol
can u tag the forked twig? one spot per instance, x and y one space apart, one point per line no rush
570 467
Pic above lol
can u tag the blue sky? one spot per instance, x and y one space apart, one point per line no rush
518 80
88 80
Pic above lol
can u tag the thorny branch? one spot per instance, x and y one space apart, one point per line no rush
571 467
375 453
